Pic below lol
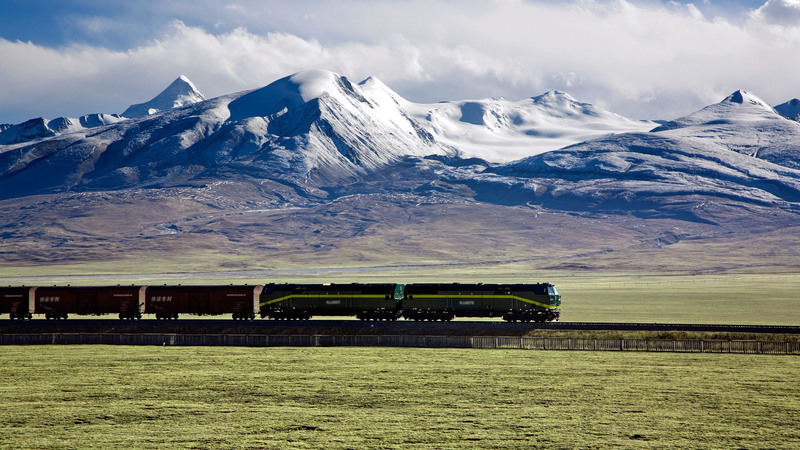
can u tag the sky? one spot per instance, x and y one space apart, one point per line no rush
650 59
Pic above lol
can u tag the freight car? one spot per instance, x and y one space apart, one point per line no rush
16 302
302 301
168 302
58 302
513 302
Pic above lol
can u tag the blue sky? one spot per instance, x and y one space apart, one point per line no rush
643 59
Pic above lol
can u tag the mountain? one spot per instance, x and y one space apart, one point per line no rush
790 109
736 151
744 123
40 128
499 130
311 129
315 171
179 93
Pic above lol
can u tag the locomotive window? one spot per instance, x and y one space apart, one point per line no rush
552 290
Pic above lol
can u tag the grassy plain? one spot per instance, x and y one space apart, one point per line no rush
146 397
772 299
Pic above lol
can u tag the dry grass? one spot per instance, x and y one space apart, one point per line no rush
144 397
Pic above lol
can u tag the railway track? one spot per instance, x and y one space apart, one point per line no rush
322 326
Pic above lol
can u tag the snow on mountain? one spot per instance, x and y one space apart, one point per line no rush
740 106
651 169
499 130
790 109
179 93
41 128
737 150
743 123
318 123
315 131
313 128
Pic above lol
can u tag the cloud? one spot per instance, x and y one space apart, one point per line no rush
780 12
648 60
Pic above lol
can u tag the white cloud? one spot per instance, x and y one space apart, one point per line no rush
779 12
648 60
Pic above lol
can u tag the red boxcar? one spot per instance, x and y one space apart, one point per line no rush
16 302
167 302
58 302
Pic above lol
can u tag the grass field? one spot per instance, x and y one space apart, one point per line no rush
145 397
769 299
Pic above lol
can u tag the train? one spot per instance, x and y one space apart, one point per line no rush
537 302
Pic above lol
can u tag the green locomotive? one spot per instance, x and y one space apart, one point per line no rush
302 301
427 301
513 302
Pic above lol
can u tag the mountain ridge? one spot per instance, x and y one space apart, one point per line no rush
314 169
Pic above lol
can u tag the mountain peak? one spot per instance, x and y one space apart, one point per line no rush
374 84
291 92
737 107
744 97
554 96
181 92
790 109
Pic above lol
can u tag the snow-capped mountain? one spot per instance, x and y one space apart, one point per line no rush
737 150
744 123
181 92
41 128
313 128
313 166
316 130
499 130
790 109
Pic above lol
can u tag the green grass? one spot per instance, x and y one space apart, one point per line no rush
129 397
770 299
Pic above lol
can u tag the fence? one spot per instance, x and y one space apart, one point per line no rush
486 342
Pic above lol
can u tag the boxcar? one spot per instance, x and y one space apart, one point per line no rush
58 302
523 302
17 302
168 302
302 301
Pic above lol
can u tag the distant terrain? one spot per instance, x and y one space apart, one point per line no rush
313 172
